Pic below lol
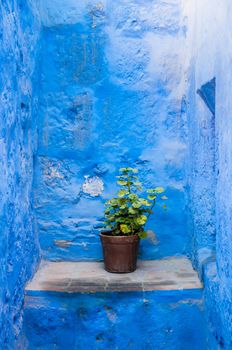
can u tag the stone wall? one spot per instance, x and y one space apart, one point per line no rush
113 93
117 87
202 137
153 320
224 166
19 28
212 163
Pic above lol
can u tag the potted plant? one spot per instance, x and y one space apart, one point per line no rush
125 218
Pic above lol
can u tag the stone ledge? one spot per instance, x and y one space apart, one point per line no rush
90 277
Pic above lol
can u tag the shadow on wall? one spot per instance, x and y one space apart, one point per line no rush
19 47
207 93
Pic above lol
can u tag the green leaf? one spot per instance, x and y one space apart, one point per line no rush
115 203
136 205
151 190
127 170
123 170
159 190
110 217
141 220
125 229
121 220
152 198
134 170
142 234
122 193
133 196
165 207
122 177
132 211
112 202
164 197
122 183
145 202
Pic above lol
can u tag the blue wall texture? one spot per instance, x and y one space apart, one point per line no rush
117 86
202 140
112 94
19 28
211 180
138 321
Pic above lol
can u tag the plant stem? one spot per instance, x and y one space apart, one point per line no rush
151 209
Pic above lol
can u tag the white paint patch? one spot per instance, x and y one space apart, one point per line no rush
93 186
165 63
167 151
174 151
152 237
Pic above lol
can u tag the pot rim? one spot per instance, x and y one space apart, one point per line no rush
104 234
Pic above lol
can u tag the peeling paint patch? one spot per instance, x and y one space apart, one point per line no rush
53 172
152 237
111 314
93 186
62 243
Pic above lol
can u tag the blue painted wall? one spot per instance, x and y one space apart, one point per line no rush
153 320
112 94
211 181
19 28
202 139
114 91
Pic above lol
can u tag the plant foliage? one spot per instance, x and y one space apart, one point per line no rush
128 213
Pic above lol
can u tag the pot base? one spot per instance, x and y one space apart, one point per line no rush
119 272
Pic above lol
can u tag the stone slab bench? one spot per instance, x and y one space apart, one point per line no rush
79 306
90 277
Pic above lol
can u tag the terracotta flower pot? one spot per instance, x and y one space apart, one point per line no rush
120 252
